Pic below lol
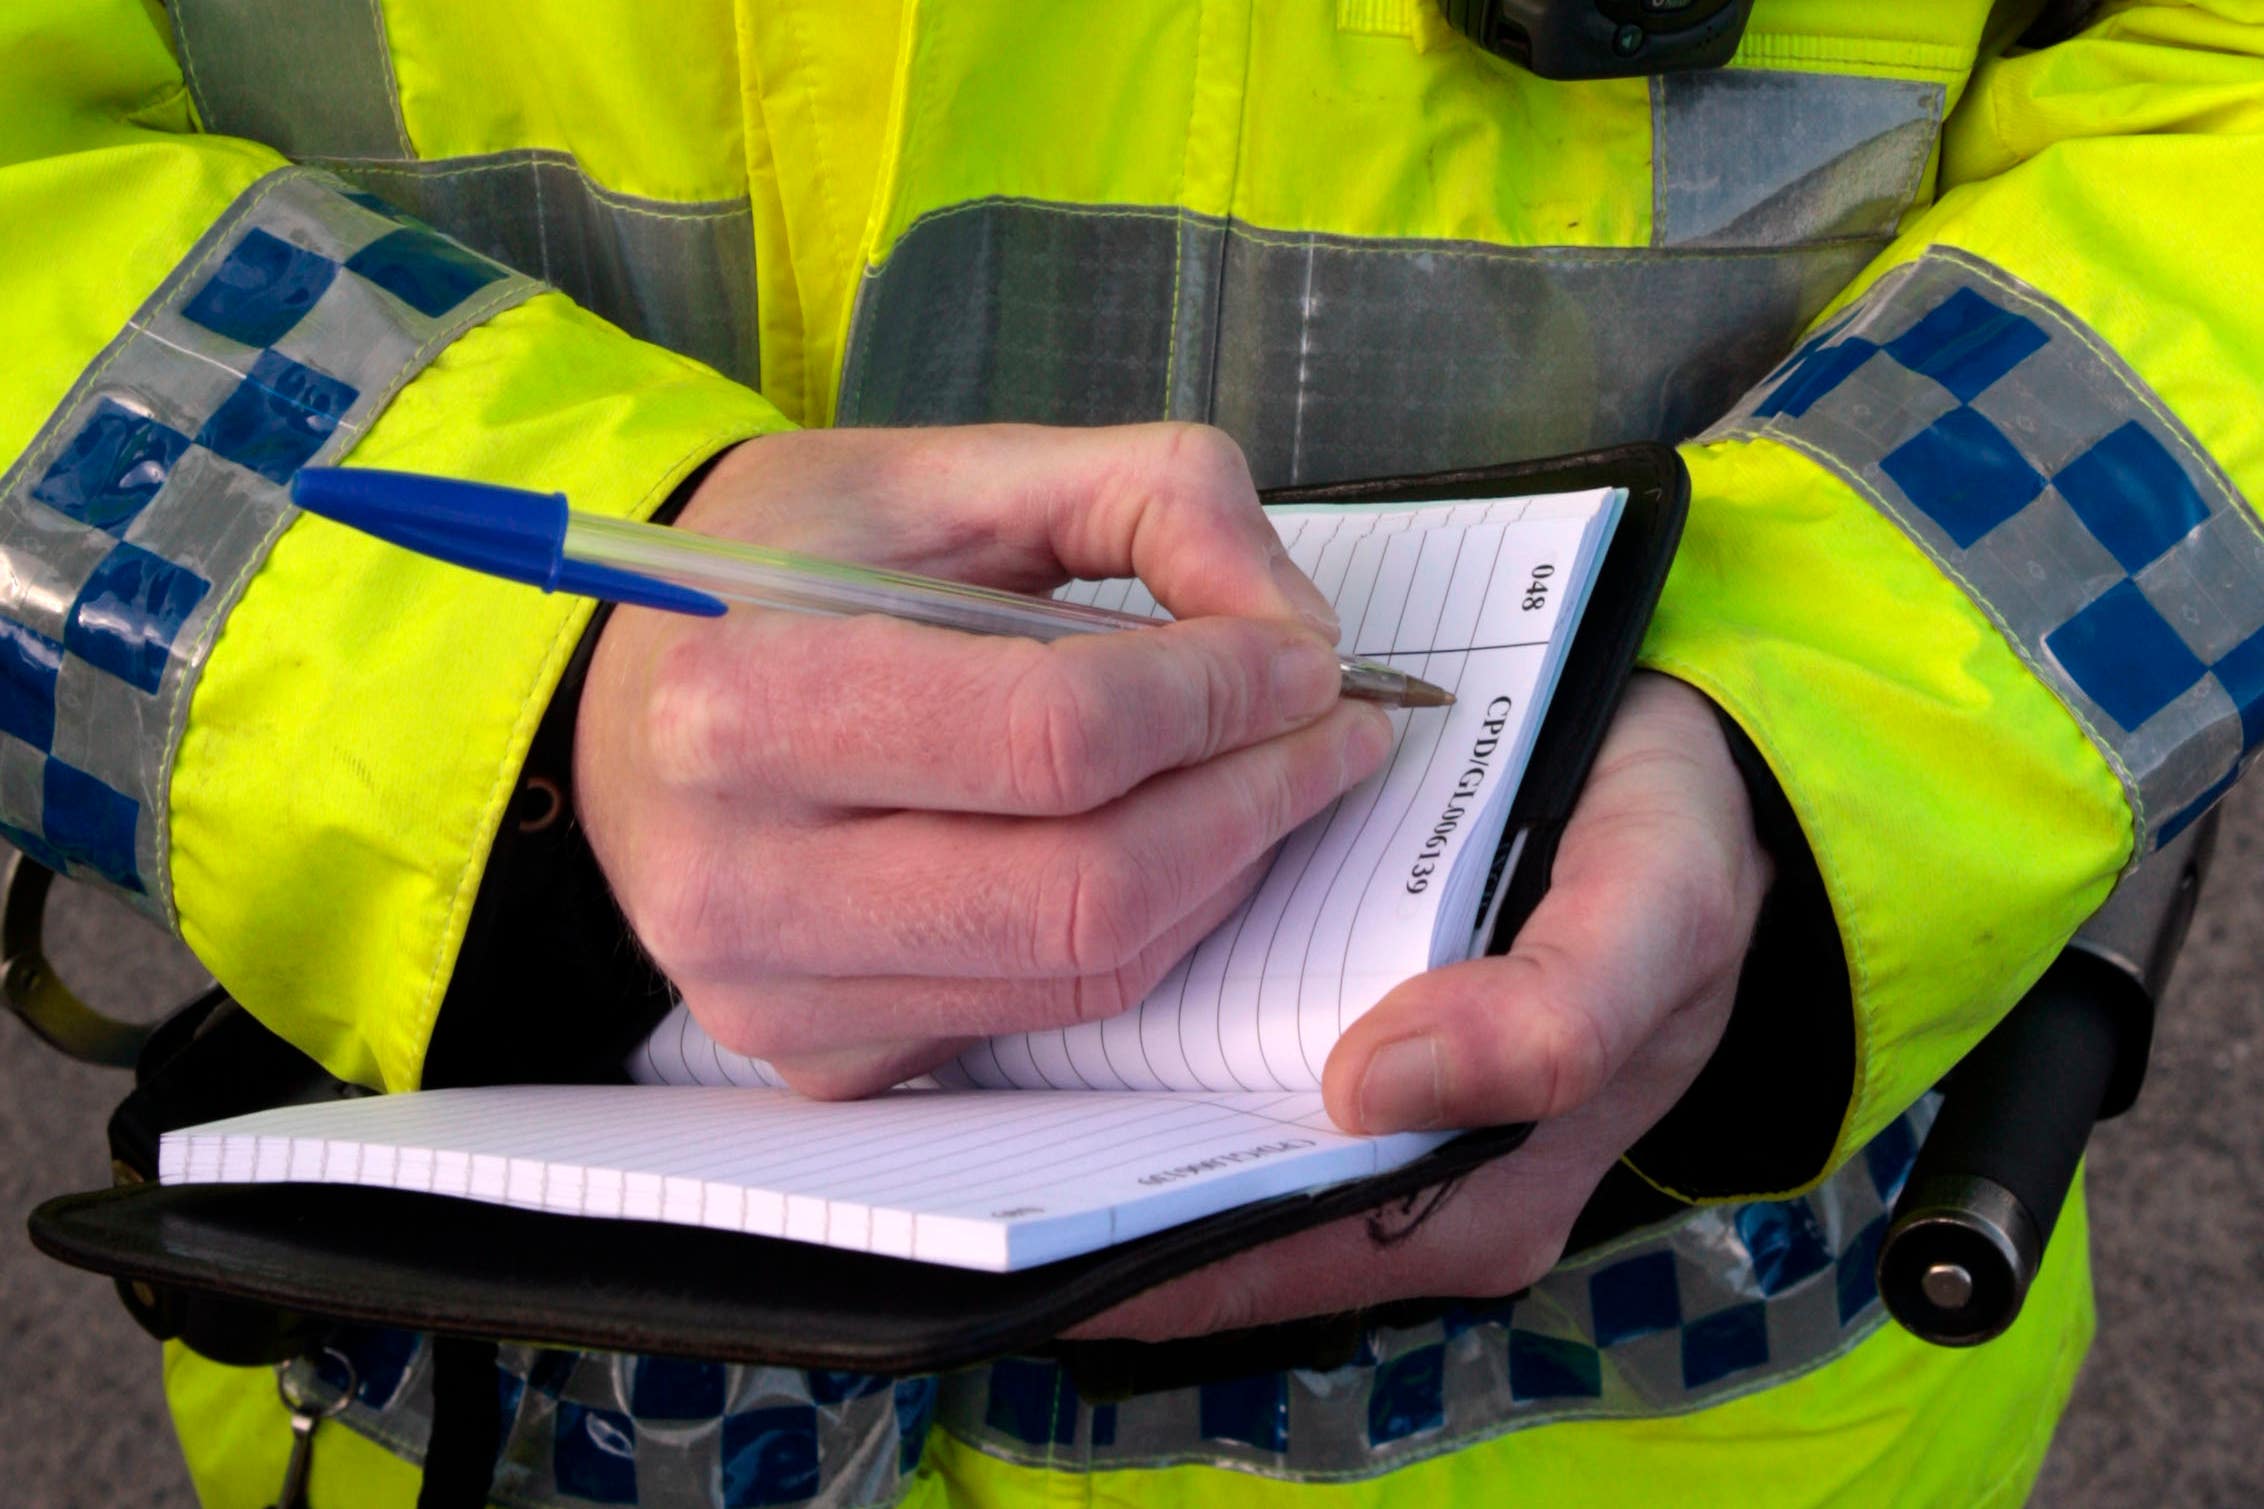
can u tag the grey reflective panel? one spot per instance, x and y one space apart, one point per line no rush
583 1427
1010 310
1747 157
315 77
131 523
1326 357
1716 1303
2010 443
679 274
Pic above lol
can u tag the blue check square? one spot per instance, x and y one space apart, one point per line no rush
29 664
593 1453
1407 1396
2124 655
111 469
2241 673
1553 1367
129 613
1966 344
424 270
1728 1341
1252 1410
2185 817
673 1388
1816 374
1961 472
1784 1241
770 1456
915 1412
2132 495
1635 1298
90 824
1033 1402
277 417
263 288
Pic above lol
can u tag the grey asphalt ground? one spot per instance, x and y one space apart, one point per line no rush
2168 1410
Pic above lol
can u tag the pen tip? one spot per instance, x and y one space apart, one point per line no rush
1423 694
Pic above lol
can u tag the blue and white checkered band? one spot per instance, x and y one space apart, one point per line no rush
1714 1304
131 523
2037 469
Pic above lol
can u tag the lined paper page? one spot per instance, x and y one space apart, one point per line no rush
1468 595
996 1182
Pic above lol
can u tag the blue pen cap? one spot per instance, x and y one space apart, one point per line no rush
502 531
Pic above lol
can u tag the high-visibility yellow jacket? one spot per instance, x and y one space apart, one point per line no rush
1959 336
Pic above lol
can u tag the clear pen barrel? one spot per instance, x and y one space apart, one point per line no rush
740 572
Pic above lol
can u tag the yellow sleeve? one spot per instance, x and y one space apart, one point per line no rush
288 742
1978 568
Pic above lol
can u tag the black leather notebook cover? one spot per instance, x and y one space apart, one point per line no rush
460 1267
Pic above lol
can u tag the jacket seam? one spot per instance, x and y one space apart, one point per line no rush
1391 245
538 157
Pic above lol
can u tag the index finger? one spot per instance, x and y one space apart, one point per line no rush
1022 506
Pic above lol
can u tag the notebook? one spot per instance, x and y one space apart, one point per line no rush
1040 1146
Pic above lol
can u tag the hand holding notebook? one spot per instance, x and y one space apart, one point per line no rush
1204 1096
385 1249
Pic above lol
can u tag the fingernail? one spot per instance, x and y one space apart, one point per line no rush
1305 679
1400 1091
1306 598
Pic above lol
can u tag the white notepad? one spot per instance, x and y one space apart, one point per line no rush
1203 1097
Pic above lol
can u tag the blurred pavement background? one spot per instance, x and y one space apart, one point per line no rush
2168 1410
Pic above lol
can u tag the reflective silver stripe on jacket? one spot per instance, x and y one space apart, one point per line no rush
1332 357
131 523
1720 1302
314 79
1749 157
2012 444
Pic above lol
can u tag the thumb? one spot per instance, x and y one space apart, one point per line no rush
1651 904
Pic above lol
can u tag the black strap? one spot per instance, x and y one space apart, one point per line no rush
467 1425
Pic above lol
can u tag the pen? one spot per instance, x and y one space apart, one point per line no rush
535 538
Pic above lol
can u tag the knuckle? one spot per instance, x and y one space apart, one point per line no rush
1054 751
1221 699
688 717
1254 810
1575 1058
1206 456
715 720
697 917
1091 912
1096 998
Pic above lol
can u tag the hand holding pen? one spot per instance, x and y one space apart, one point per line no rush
536 538
855 843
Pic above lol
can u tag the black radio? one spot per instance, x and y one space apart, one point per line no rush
1604 39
